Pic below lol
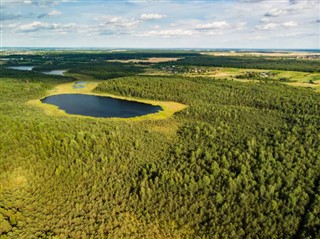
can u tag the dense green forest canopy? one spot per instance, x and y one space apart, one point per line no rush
85 57
251 62
242 161
99 71
53 60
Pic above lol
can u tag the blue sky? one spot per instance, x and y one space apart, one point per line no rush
161 23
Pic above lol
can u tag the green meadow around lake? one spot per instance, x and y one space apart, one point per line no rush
234 154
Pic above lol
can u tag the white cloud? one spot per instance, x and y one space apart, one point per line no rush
192 23
258 37
219 25
38 2
273 25
54 13
293 1
213 33
275 12
116 25
168 33
268 26
240 25
151 16
289 24
264 20
118 22
37 26
301 6
213 26
251 1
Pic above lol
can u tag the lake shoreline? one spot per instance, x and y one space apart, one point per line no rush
168 108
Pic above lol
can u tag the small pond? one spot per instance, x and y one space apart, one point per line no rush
54 72
100 106
21 68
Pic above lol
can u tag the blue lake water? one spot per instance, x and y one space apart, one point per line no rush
100 106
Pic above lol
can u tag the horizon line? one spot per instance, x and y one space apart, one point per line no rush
158 48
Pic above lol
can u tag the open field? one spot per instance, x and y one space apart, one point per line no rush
294 78
233 72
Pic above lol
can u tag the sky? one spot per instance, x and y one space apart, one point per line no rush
275 24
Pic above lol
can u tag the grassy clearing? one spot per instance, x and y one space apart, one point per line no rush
169 108
301 79
232 72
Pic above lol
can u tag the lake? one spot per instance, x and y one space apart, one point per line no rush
29 68
22 68
100 106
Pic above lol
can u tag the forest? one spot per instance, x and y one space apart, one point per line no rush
252 62
50 60
241 161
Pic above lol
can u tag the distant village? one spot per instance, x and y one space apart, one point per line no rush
16 52
182 69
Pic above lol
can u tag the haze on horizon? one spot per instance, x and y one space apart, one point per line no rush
161 24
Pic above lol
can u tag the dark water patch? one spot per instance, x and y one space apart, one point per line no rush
100 106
